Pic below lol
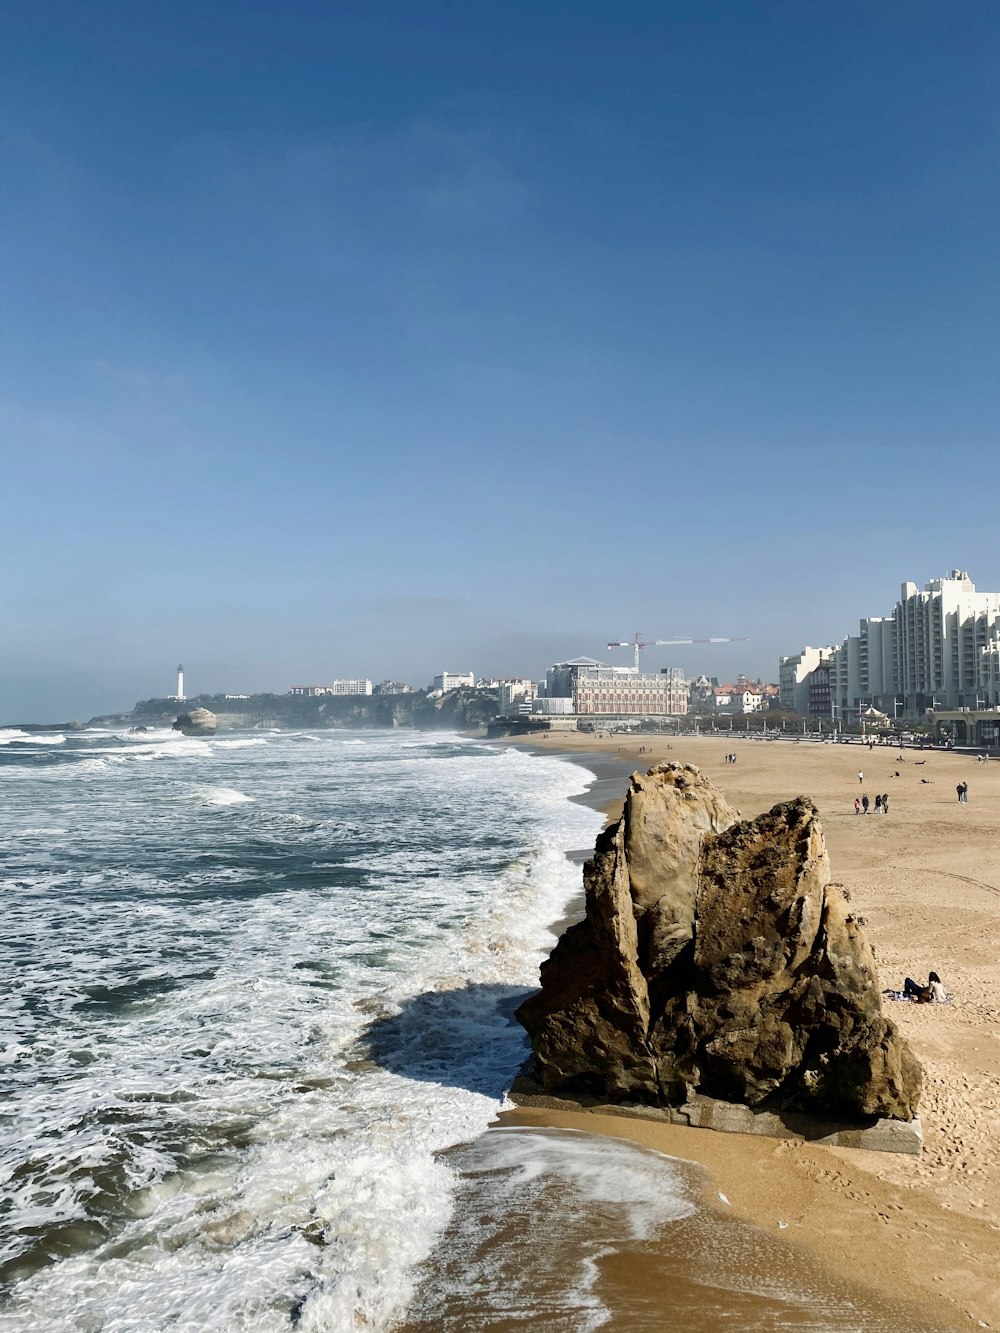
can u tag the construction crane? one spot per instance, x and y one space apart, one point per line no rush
637 645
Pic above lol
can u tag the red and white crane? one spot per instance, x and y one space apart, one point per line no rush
637 644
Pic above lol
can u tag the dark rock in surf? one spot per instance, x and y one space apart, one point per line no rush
716 958
198 722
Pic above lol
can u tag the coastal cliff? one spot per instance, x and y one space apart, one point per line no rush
458 710
717 959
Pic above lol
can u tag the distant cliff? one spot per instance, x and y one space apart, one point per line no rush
458 710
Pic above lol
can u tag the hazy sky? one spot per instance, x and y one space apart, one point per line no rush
372 338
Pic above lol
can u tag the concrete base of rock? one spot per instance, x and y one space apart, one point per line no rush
903 1136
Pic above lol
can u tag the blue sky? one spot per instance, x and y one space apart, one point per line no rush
380 338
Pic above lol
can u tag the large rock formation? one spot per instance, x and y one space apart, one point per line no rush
717 958
197 722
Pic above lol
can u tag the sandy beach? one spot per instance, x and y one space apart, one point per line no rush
926 878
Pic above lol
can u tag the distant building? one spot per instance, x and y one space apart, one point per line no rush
236 696
392 687
335 687
794 673
453 680
700 696
938 649
546 707
351 687
599 690
818 682
515 694
745 696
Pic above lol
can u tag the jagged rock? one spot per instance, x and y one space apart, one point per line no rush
717 958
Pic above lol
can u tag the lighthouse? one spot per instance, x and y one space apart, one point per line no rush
180 682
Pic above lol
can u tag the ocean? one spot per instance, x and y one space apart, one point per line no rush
256 1022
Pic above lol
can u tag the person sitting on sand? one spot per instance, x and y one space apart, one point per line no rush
932 993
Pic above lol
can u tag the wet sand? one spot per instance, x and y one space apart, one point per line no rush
926 877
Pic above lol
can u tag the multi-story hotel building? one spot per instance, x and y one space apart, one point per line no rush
453 680
600 690
939 648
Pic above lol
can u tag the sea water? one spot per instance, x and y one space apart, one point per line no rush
199 938
255 1019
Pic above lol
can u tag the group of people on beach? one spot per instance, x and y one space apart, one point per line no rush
963 793
730 759
881 804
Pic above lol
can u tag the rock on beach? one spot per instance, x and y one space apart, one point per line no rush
716 958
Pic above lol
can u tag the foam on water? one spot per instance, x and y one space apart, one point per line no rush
257 990
13 736
222 796
519 1189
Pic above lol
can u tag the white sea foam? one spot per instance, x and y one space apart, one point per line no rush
192 993
520 1187
222 796
13 736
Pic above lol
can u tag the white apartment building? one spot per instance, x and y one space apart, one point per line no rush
863 671
453 680
736 699
940 648
351 687
515 694
793 678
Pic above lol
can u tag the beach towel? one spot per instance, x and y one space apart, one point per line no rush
902 996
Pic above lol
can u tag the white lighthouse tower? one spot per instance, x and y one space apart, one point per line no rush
180 682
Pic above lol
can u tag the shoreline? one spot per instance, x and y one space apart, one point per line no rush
921 1228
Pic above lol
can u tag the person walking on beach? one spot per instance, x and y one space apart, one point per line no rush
861 776
878 803
885 803
857 806
864 803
